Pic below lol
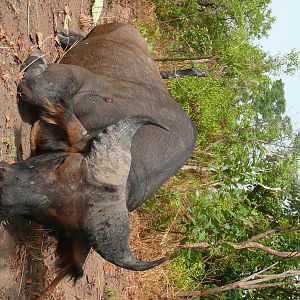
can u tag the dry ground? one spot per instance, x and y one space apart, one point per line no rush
26 253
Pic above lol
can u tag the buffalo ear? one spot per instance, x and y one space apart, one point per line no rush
108 165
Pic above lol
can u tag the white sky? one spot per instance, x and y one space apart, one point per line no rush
283 37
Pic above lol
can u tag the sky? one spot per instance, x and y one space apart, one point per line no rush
283 37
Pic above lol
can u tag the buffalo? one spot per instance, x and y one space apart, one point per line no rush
94 160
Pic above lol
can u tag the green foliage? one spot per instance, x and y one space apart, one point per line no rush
191 267
203 26
207 102
164 205
8 144
151 34
245 143
288 63
109 294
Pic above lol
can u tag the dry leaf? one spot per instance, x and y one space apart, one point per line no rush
2 35
28 280
106 267
39 38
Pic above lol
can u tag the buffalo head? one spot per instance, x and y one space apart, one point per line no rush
80 198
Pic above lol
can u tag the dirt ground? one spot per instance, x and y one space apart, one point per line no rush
26 253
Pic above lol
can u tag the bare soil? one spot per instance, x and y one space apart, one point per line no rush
26 252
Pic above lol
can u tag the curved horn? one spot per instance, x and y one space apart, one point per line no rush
108 166
109 238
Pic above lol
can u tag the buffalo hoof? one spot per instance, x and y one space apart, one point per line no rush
35 64
68 38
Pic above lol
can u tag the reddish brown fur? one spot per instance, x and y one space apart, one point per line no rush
74 137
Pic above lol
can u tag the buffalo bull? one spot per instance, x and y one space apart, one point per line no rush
95 161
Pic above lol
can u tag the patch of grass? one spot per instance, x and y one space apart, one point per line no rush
109 293
9 150
186 269
110 4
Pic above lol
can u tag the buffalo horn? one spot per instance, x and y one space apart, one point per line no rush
108 166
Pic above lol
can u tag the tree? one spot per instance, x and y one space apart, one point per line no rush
242 180
205 25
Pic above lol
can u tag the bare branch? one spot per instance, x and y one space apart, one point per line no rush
244 284
274 284
213 144
251 244
258 274
272 231
278 189
199 246
247 245
290 273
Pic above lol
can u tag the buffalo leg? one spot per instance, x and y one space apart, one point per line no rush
56 127
35 64
67 38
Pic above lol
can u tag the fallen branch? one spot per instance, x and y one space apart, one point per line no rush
246 284
56 281
182 73
250 243
22 274
28 17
